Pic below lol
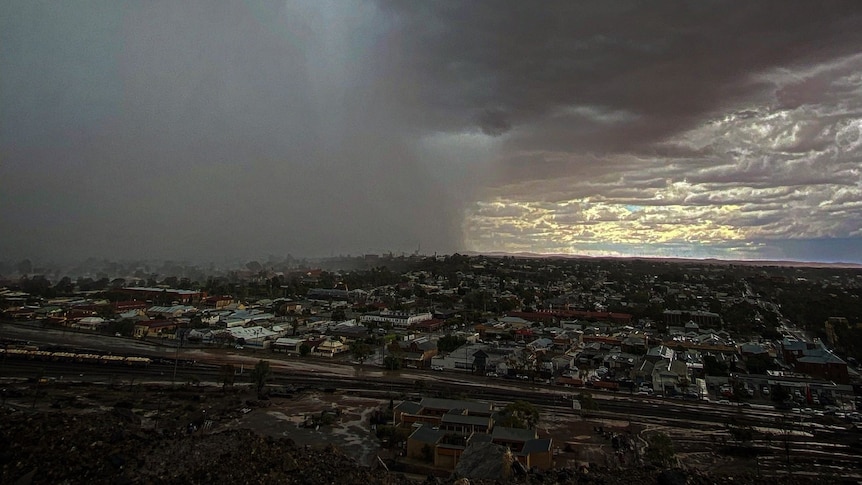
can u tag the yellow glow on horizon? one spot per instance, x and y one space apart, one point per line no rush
517 226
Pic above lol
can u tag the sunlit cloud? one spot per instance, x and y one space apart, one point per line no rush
726 188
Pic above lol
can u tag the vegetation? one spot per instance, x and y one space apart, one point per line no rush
260 375
587 401
714 367
519 414
759 364
304 349
449 343
228 375
660 449
392 362
392 436
360 351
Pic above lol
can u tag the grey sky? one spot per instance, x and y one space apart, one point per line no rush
237 129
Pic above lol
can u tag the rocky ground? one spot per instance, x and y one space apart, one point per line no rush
157 434
112 447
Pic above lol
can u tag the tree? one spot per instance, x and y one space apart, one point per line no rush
712 366
360 351
260 375
228 374
392 362
587 401
304 349
520 414
759 364
660 450
338 315
448 343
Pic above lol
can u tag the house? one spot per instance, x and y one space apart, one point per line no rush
565 340
349 332
750 349
289 307
163 295
256 336
132 315
330 348
288 345
165 312
442 448
155 328
432 325
396 319
634 344
670 377
422 442
814 359
432 410
459 421
218 301
549 316
417 353
408 409
537 453
200 335
540 344
90 323
706 319
444 428
512 438
661 352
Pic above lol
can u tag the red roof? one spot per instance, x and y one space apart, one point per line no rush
545 315
157 324
433 323
129 305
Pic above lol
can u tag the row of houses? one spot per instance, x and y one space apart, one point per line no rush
443 429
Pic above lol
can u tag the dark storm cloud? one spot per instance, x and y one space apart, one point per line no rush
664 63
493 122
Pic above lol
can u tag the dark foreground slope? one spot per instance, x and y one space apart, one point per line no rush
111 446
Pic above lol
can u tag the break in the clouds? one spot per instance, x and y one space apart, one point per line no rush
192 129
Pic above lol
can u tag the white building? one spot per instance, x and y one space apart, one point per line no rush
253 336
396 319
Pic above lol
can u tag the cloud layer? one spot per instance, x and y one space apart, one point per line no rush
167 129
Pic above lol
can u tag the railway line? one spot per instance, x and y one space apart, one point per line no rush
813 445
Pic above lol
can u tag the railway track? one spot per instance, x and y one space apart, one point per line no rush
830 450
